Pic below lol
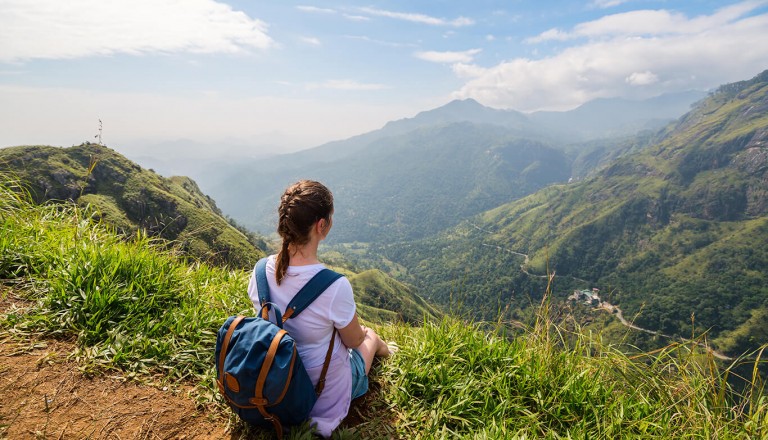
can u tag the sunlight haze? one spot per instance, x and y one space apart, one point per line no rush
271 77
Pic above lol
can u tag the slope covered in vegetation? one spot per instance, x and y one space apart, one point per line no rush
131 198
676 230
137 311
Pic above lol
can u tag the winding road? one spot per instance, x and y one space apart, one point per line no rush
604 305
610 308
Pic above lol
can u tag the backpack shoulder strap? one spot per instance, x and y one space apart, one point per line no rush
314 288
262 286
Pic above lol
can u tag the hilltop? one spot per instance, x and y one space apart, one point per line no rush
131 199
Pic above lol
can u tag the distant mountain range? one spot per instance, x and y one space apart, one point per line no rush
417 176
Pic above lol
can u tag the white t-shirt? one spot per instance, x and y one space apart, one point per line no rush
312 330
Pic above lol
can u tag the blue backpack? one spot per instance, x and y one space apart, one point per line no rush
258 370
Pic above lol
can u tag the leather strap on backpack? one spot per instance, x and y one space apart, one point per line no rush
272 418
259 400
321 382
223 353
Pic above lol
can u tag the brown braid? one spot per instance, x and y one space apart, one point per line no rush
302 204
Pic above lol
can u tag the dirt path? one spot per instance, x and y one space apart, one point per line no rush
45 396
617 312
526 259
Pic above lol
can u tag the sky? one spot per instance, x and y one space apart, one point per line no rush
243 77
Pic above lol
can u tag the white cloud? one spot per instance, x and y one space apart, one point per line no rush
315 9
379 42
650 22
448 57
549 35
602 4
673 52
463 70
418 18
356 17
80 28
312 41
346 84
642 78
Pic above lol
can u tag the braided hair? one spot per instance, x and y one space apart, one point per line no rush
301 206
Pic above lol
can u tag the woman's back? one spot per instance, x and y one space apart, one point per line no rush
312 330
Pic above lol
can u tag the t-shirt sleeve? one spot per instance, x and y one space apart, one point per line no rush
343 305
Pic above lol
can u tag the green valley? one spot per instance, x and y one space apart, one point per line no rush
675 233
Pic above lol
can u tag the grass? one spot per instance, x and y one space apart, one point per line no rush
453 379
137 309
130 305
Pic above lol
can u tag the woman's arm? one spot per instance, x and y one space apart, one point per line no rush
353 334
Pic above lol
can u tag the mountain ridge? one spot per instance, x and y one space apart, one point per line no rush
363 159
130 198
678 227
411 185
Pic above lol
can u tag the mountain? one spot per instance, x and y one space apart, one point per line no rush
416 176
408 186
130 198
466 110
611 117
675 233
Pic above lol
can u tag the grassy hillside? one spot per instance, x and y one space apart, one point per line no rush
382 298
138 312
131 198
676 233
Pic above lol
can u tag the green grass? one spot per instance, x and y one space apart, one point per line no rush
454 380
129 198
136 309
129 304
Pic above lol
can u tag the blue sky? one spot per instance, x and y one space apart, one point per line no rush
287 75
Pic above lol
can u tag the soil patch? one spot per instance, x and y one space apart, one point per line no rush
45 396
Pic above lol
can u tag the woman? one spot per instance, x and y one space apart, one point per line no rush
305 219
